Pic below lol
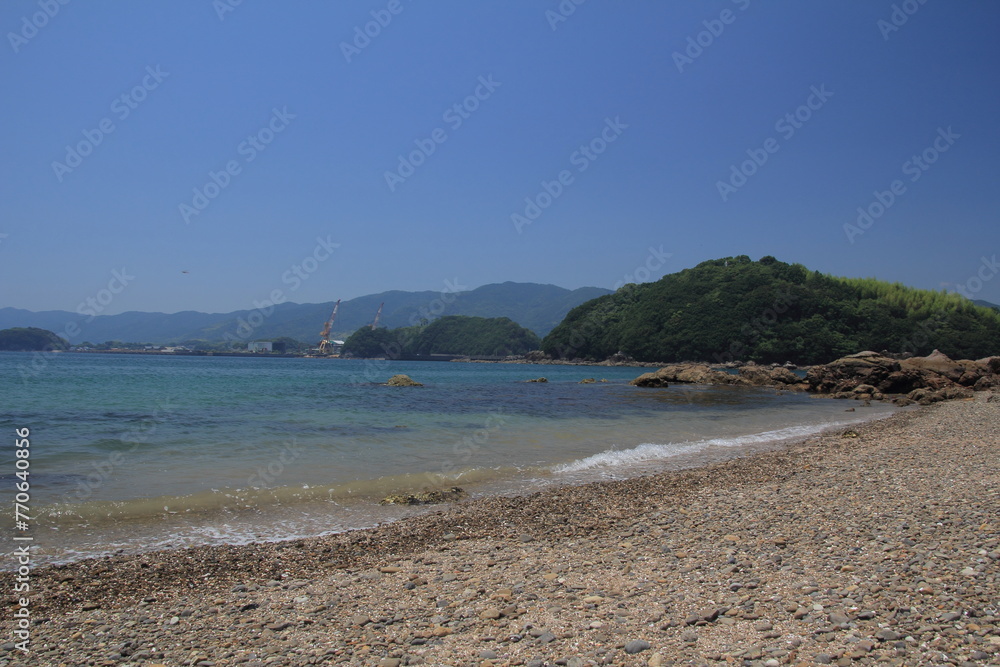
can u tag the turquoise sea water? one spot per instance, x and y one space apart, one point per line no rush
132 452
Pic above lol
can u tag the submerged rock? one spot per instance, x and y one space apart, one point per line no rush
425 497
537 380
402 381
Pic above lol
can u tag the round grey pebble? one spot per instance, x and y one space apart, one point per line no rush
637 646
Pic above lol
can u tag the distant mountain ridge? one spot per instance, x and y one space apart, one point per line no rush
532 305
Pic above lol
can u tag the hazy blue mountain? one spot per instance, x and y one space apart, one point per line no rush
986 304
536 307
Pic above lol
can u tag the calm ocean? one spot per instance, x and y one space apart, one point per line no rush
130 453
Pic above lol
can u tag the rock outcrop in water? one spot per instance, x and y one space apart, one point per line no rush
653 380
768 376
685 373
936 377
402 381
749 376
862 376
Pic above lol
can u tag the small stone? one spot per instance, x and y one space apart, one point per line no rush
390 662
593 599
689 636
968 572
524 537
546 638
951 616
488 655
360 619
709 615
772 663
656 660
865 645
838 618
491 613
390 569
637 646
174 620
763 626
823 658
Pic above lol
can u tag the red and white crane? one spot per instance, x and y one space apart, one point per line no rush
324 344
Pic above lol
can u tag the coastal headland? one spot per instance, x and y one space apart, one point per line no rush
876 545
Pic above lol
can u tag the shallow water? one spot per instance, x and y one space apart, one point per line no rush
138 452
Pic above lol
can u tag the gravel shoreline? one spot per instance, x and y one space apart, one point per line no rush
879 545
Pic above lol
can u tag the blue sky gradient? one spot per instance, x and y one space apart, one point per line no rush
300 120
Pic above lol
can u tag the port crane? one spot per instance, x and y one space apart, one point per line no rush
377 315
324 344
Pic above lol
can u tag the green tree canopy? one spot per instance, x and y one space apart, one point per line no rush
30 339
454 334
769 311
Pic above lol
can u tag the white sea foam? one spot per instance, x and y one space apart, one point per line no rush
647 452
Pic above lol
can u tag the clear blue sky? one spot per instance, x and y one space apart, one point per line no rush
197 86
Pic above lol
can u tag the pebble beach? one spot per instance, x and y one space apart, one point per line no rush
877 545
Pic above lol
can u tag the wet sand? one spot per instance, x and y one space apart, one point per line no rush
876 545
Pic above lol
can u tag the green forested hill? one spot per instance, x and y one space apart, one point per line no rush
769 311
454 334
30 339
